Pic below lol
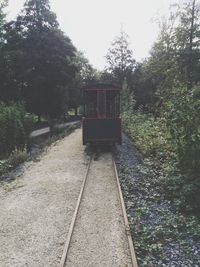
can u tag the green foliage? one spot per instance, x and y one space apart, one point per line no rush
4 166
171 76
120 60
127 100
3 4
155 226
38 61
149 135
182 115
174 57
172 145
15 128
17 157
85 74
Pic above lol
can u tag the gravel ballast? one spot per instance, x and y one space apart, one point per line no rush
162 237
99 237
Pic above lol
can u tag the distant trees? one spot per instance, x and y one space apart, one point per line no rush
187 40
120 61
174 58
85 74
175 55
2 65
3 4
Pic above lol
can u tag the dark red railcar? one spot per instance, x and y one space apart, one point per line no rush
101 122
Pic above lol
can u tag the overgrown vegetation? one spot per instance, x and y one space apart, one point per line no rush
163 204
15 128
159 230
172 151
160 112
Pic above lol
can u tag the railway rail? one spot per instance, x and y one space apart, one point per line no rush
67 246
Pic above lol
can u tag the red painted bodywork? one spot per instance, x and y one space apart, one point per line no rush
99 117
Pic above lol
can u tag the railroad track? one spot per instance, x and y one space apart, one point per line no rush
64 258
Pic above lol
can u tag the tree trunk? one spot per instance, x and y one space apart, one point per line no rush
76 111
39 118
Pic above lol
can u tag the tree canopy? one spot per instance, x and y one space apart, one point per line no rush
120 61
39 59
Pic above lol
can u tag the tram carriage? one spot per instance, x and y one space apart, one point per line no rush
101 122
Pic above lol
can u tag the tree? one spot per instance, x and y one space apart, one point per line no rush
187 35
120 59
86 74
44 68
175 55
174 58
143 85
3 4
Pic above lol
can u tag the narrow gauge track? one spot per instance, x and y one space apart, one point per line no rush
64 258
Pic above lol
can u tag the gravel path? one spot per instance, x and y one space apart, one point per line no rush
37 207
99 238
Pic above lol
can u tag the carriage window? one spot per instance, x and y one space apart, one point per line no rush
90 104
112 104
101 104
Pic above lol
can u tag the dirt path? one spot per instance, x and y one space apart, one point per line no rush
36 208
99 238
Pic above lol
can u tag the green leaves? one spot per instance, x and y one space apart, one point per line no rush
120 60
15 128
39 61
182 115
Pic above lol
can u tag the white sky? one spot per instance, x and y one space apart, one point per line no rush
93 24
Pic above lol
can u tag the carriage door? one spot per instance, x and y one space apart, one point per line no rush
101 104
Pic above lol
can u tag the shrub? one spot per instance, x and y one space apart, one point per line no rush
182 114
172 143
149 135
17 157
4 166
15 128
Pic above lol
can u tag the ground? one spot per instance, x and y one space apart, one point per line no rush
162 236
37 206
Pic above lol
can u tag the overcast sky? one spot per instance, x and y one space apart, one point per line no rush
93 24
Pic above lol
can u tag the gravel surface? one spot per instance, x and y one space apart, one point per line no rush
37 207
156 232
99 238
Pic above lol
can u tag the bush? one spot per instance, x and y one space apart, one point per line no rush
182 114
17 157
4 166
149 135
15 128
